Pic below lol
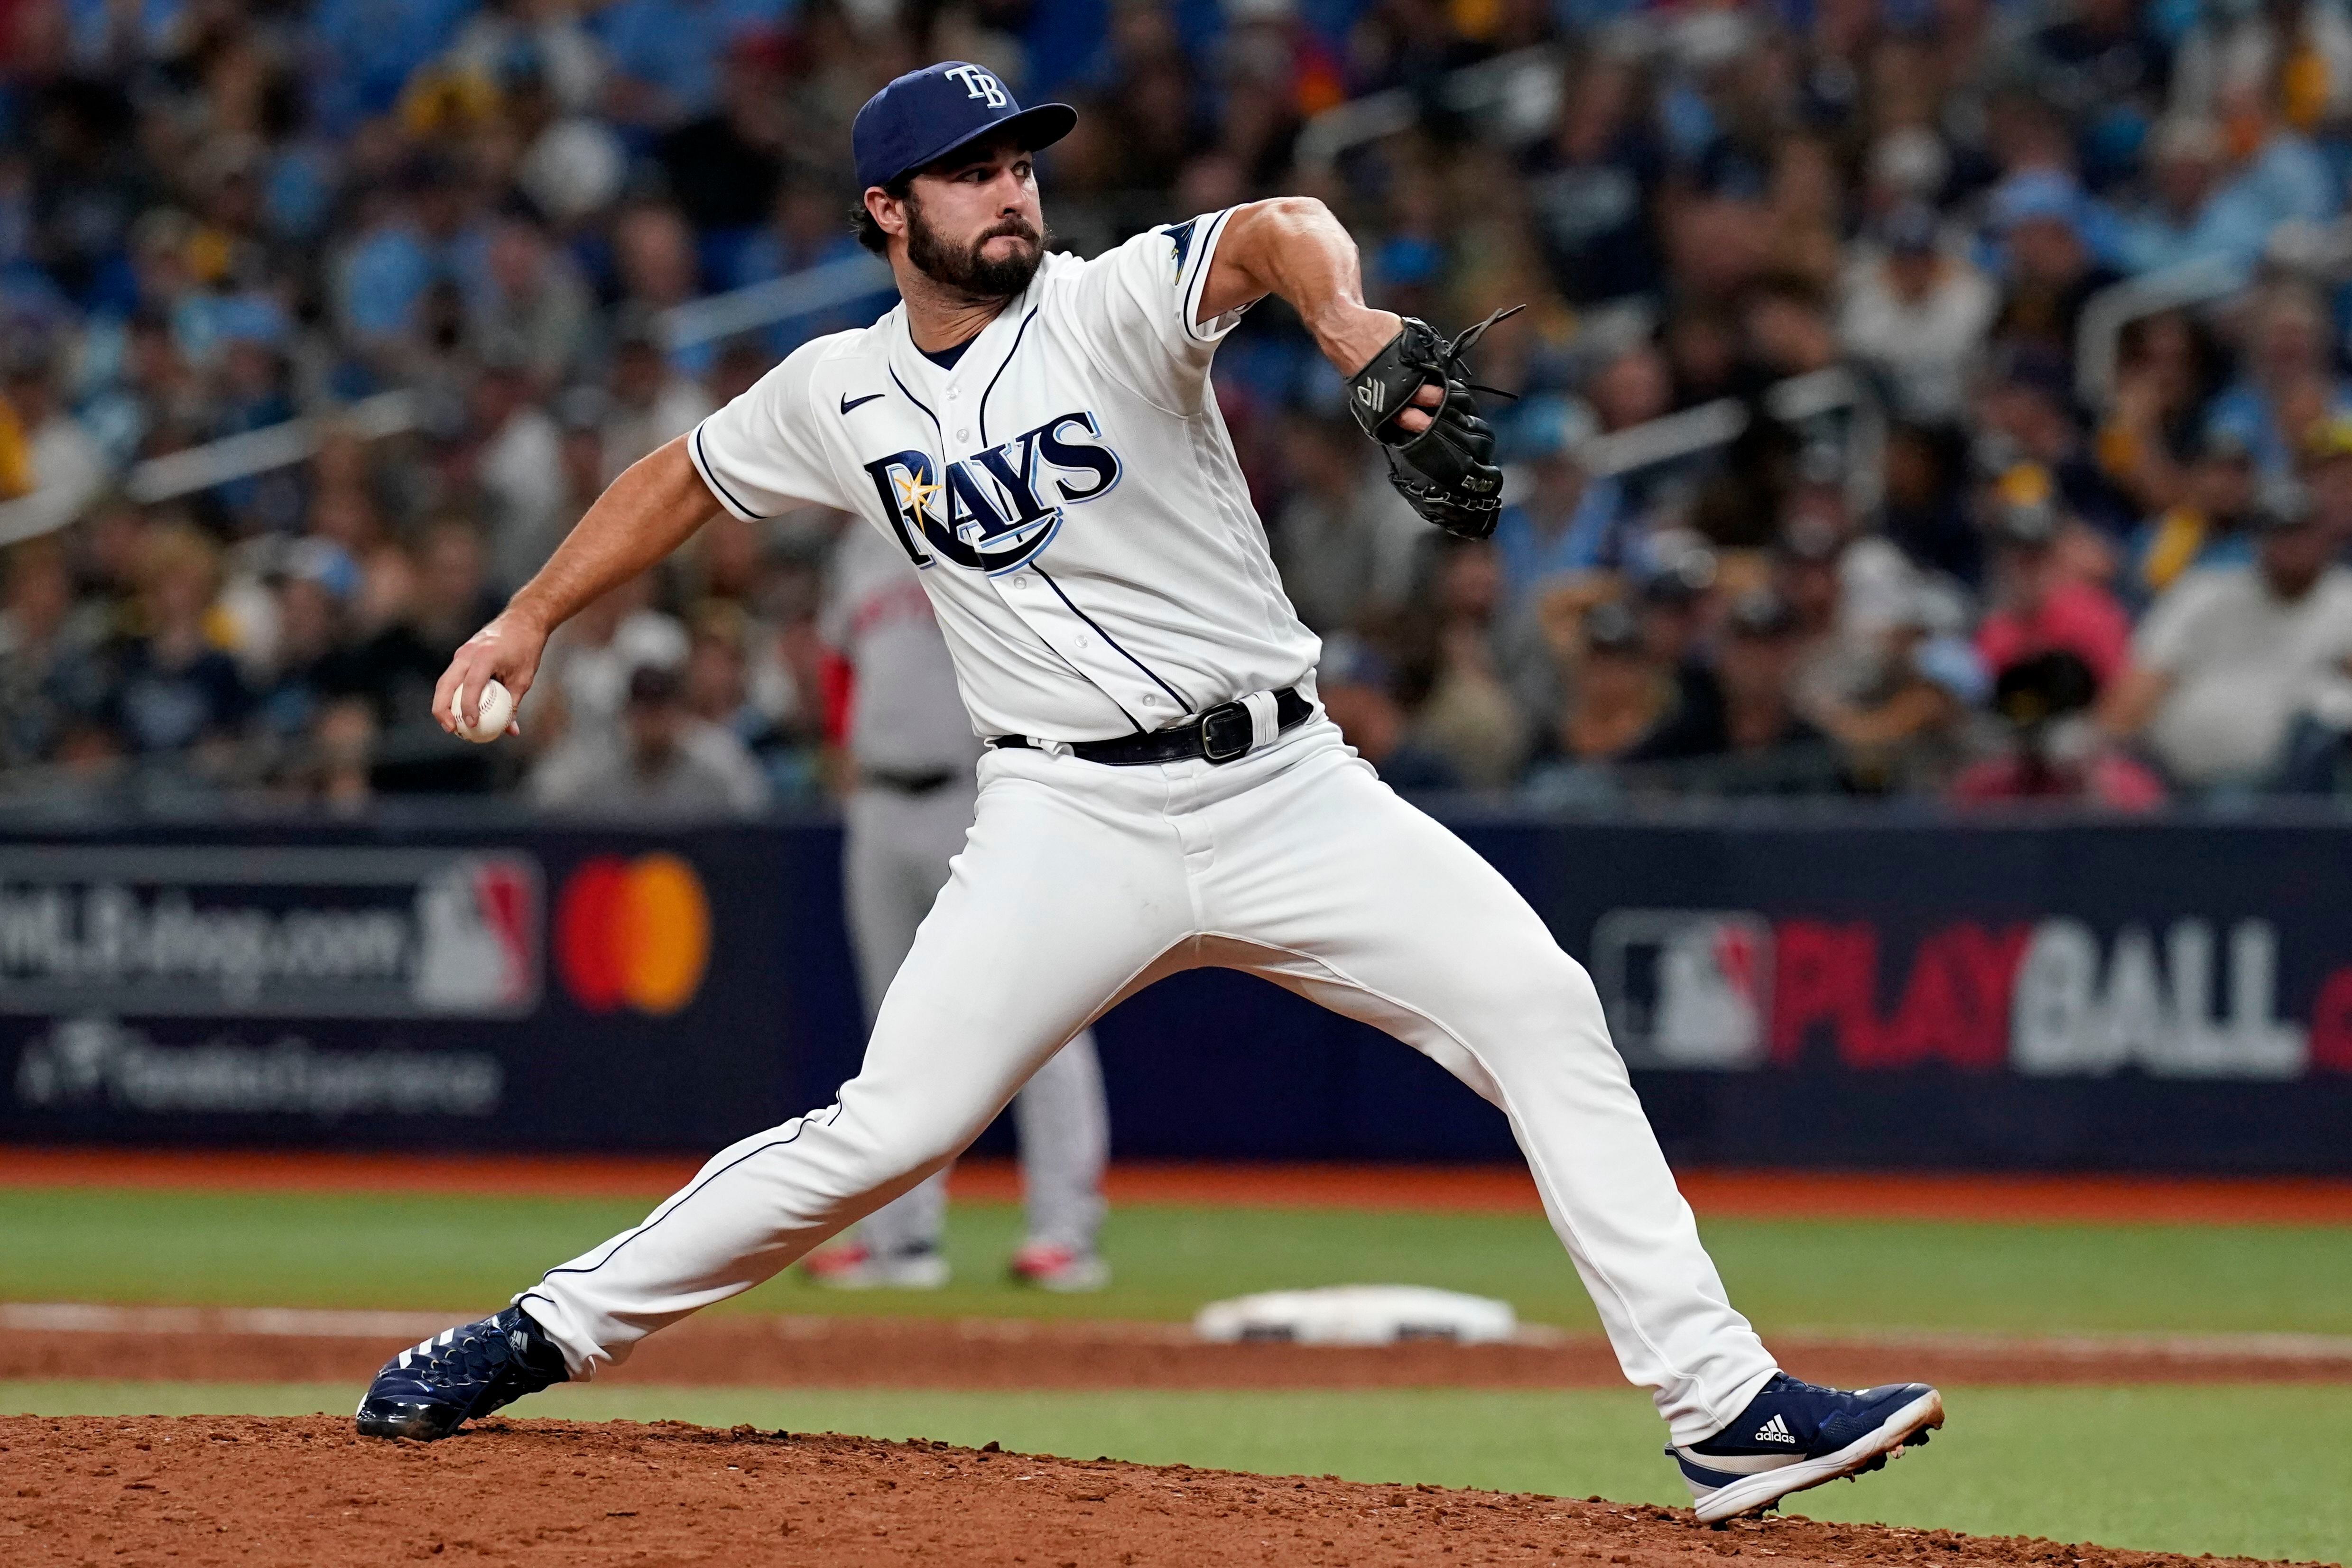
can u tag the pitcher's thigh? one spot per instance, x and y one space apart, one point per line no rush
1355 886
1049 911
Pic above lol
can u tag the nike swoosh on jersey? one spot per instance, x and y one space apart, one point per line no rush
848 403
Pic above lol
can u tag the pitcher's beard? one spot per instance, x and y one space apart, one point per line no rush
964 270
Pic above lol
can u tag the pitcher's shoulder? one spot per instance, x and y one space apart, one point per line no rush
1170 244
836 359
856 345
1061 265
1059 276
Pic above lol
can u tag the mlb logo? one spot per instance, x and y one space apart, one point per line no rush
1686 987
479 921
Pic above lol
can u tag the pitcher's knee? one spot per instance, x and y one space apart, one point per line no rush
1546 993
1575 982
879 1150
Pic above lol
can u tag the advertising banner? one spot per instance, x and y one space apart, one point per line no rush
1821 992
532 989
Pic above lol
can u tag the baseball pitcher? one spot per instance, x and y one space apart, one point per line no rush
1161 791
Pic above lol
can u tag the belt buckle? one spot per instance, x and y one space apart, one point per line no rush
1234 720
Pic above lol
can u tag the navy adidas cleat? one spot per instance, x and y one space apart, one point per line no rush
430 1390
1795 1435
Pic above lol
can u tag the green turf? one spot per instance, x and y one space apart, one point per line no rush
458 1254
2258 1471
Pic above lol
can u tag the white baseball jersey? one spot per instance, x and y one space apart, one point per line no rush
1069 490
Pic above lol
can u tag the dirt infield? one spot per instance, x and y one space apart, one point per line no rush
231 1345
210 1490
1992 1198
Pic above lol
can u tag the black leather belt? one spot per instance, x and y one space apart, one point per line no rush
1224 734
909 783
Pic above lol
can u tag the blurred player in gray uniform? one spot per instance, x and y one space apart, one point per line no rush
911 743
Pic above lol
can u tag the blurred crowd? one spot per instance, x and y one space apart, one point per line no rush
1923 398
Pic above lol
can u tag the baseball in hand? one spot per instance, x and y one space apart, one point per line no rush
497 711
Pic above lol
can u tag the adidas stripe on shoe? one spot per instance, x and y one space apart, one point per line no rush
429 1390
1795 1435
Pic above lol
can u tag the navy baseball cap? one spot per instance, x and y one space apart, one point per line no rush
925 115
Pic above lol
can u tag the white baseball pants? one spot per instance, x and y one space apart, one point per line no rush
894 861
1081 883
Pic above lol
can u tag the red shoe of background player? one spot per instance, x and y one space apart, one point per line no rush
1052 1268
854 1267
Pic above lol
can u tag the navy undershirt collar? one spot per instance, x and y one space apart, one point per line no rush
945 358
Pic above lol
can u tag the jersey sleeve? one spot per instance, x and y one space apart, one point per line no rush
763 454
1139 305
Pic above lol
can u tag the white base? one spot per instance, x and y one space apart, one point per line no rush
1359 1314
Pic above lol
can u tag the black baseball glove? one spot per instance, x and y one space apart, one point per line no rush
1446 471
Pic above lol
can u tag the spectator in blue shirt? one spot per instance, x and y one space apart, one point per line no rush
1566 520
2198 213
428 234
2284 172
383 276
666 53
2291 383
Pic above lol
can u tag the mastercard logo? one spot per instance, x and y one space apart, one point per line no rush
632 932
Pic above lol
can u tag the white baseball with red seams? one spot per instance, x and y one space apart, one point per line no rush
1070 493
497 712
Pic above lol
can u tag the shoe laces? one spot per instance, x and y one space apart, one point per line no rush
479 1355
1799 1385
475 1353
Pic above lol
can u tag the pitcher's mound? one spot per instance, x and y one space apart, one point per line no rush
236 1489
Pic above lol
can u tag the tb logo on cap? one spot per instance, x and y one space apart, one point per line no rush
979 84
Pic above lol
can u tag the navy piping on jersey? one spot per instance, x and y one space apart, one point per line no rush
918 402
799 1126
1133 722
1201 273
1183 703
1017 336
702 465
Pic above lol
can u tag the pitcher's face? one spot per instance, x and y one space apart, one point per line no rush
975 224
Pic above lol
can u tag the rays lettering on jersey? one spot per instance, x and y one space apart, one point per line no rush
996 509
